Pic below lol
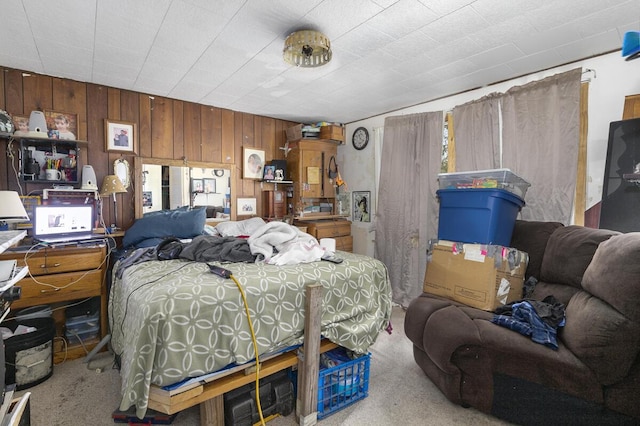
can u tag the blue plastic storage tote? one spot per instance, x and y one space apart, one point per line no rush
478 215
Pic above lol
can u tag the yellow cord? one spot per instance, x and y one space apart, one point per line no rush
255 348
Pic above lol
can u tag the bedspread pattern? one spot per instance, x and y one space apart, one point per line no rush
174 319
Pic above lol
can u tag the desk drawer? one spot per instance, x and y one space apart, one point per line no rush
58 261
58 288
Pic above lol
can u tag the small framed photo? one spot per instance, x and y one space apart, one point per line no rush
246 206
61 125
361 205
209 186
120 136
197 185
21 124
147 199
252 163
269 172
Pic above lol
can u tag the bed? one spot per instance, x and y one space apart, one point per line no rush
172 320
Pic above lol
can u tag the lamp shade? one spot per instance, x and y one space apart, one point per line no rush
11 208
111 184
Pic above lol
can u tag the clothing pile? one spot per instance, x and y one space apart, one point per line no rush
538 319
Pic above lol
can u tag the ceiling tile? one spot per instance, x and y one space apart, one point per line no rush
387 54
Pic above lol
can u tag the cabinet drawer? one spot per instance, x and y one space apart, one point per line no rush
344 243
85 284
58 261
333 229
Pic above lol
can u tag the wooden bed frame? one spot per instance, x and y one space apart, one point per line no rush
209 395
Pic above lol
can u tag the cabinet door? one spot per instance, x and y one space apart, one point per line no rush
312 173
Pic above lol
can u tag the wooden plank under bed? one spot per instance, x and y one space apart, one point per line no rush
209 395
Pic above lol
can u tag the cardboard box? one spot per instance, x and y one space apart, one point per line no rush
332 132
481 276
294 133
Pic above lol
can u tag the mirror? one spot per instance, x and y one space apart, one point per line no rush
169 184
121 169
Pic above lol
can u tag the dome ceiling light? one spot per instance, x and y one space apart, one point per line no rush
307 49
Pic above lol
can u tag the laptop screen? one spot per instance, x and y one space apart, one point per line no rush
62 222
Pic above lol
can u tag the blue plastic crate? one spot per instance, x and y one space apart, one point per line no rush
478 215
343 384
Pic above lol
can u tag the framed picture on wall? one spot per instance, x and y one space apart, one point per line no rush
209 186
61 125
246 206
361 203
197 185
252 163
120 136
21 124
147 199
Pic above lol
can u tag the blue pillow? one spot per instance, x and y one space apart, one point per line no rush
171 223
157 212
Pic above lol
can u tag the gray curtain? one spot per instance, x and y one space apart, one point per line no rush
477 134
410 163
541 134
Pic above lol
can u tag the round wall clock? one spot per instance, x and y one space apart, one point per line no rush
218 172
360 138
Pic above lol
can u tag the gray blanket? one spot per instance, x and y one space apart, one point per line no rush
207 248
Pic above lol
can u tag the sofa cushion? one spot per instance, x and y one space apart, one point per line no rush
531 237
562 293
601 337
614 274
569 252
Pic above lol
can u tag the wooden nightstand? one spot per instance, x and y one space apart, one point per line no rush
59 277
339 229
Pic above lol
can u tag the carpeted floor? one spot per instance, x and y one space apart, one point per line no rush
399 393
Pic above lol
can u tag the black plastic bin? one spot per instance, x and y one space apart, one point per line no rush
29 356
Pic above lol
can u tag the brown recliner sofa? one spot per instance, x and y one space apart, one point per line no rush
592 377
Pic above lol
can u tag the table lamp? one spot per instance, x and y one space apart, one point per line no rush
111 184
11 209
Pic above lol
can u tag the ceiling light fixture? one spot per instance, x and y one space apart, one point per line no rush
307 49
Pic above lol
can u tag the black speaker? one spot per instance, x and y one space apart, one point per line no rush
620 206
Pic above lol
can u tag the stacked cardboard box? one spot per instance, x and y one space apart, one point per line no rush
478 275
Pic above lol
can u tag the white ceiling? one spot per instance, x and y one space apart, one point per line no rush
387 54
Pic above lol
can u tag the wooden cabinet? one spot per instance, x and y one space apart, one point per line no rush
61 276
307 162
338 229
274 203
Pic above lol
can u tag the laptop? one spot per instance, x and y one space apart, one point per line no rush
64 223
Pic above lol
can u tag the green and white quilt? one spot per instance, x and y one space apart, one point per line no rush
174 319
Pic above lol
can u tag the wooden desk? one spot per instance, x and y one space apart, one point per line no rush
59 276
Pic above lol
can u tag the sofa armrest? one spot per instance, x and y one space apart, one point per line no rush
446 330
418 312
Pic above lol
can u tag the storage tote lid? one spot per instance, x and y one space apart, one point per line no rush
491 178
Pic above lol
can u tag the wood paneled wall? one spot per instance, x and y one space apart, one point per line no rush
166 128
